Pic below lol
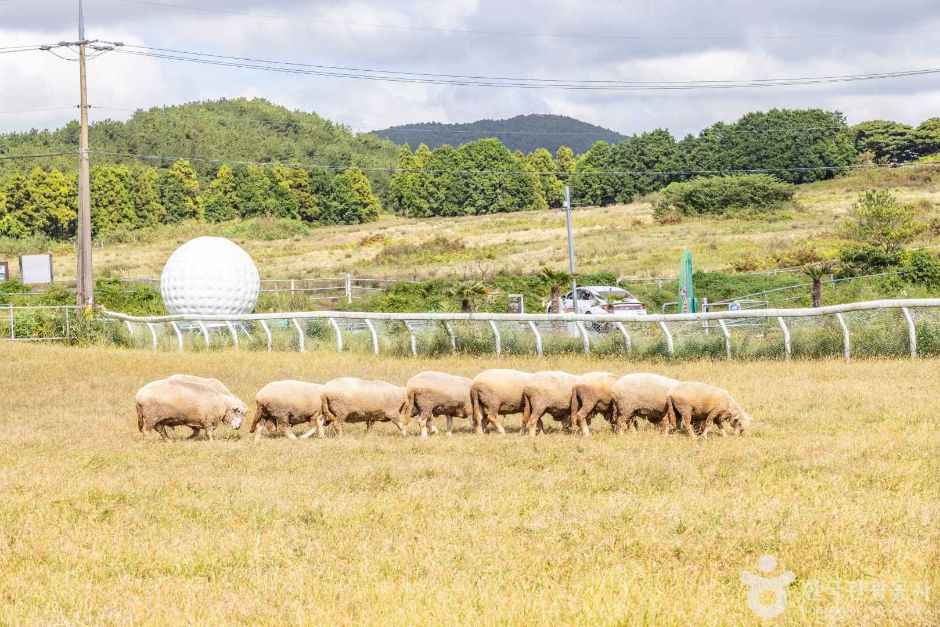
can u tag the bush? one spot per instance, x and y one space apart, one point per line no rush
921 267
865 259
717 195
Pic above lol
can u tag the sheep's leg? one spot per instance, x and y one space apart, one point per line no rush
209 432
450 424
424 419
283 425
197 432
161 429
368 426
685 412
259 429
493 418
401 427
532 419
540 426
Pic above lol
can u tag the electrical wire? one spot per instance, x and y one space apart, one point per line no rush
700 172
509 33
504 82
36 155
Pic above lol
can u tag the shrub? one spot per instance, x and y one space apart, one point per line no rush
717 195
921 267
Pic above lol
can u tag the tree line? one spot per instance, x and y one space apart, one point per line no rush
44 202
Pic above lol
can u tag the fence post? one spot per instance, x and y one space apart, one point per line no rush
153 333
302 344
13 325
68 326
626 337
670 345
584 337
339 335
375 336
452 335
348 288
231 329
179 335
538 337
911 331
205 333
497 338
724 331
846 342
412 340
267 333
787 346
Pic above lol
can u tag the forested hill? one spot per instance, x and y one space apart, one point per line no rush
206 133
523 132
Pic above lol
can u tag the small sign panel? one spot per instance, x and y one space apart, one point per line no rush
734 306
36 269
516 304
4 271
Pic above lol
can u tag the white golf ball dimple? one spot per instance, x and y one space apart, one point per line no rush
212 276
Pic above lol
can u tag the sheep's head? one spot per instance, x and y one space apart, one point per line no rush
235 414
741 423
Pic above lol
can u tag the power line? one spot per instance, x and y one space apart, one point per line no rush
510 33
701 172
504 82
15 111
41 155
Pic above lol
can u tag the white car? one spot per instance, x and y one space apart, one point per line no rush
602 300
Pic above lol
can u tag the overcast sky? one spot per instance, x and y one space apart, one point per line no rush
569 39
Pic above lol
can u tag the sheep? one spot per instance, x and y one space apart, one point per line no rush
691 401
592 395
641 394
437 394
547 393
215 384
494 393
349 399
164 403
285 404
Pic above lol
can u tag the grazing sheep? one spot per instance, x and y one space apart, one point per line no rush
164 403
349 399
437 394
693 402
641 394
547 393
592 395
215 384
285 404
495 393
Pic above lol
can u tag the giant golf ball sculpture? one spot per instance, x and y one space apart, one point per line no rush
211 276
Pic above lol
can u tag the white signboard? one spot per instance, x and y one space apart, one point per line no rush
36 269
734 306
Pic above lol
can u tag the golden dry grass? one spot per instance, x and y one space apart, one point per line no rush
99 524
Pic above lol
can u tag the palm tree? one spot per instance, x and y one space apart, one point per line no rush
468 293
555 279
813 265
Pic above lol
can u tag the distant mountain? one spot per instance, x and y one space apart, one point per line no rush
523 132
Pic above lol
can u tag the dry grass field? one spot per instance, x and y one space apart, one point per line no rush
521 242
99 524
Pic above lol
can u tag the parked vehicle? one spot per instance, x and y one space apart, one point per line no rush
602 300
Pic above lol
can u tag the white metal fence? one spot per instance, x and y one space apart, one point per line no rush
888 327
49 323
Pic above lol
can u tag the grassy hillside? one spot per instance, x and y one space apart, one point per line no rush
522 132
233 130
623 239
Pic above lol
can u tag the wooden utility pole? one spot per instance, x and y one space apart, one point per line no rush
85 282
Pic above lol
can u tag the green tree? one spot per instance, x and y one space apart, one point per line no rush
112 206
879 220
220 200
179 193
893 142
20 215
556 280
592 185
541 163
490 179
253 189
351 200
145 191
56 198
